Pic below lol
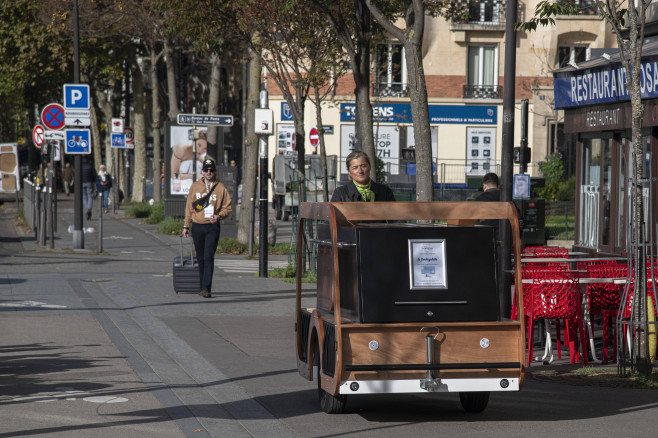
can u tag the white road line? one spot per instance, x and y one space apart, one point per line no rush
247 266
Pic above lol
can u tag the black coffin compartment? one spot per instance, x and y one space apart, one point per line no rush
384 285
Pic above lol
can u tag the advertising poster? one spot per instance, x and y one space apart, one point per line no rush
9 173
285 137
480 150
183 164
387 144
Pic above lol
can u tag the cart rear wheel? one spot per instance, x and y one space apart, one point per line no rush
474 401
331 404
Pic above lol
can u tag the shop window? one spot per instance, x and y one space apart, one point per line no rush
482 73
572 54
590 183
390 70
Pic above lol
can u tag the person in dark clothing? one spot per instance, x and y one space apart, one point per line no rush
490 184
361 188
88 183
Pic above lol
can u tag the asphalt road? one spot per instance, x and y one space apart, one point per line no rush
100 345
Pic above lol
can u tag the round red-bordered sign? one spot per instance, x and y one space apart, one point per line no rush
53 117
130 135
314 137
39 136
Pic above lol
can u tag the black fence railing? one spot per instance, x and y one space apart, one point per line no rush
483 91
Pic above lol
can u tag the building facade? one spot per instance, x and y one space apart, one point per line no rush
464 71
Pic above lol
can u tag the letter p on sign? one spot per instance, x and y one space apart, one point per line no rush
76 96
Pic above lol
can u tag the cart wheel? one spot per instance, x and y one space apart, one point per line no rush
328 403
474 402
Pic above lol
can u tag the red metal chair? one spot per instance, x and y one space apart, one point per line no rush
554 294
605 298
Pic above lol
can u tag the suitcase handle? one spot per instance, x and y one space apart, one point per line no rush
191 251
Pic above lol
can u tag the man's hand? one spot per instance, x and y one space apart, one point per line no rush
186 232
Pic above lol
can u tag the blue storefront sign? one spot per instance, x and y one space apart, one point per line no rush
603 84
448 114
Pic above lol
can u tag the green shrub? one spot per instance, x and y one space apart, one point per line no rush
170 226
553 171
567 190
289 274
228 245
141 210
156 215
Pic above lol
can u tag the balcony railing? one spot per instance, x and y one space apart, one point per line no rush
482 91
392 89
486 12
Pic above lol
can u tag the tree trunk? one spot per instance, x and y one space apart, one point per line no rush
139 127
156 115
250 158
365 140
323 151
419 111
171 82
213 106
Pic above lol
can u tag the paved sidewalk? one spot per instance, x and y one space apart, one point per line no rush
91 342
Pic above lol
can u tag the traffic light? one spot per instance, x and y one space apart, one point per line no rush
517 155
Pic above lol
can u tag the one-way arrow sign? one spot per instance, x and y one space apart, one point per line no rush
78 121
205 120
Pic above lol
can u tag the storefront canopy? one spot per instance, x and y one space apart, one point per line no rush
603 80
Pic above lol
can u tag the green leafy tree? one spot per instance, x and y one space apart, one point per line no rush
553 171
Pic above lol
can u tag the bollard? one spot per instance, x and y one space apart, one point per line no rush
100 225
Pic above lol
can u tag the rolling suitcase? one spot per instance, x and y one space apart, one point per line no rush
186 272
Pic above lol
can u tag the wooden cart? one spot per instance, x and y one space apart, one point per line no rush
431 323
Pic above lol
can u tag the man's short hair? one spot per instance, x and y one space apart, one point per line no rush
491 179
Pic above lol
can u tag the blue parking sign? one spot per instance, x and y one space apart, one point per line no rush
118 140
78 141
76 96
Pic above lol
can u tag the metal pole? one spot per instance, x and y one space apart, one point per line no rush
78 234
523 150
251 227
507 157
100 224
262 145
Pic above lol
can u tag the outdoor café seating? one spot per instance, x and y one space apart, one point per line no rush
554 293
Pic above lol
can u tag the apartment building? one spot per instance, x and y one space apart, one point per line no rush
464 68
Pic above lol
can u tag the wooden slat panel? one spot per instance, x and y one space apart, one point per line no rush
453 345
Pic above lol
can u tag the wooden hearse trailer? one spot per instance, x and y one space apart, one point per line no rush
407 302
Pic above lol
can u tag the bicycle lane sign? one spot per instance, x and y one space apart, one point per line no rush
78 141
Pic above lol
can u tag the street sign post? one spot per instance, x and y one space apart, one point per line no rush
118 141
76 96
78 141
314 137
130 135
39 136
55 135
205 120
52 116
117 126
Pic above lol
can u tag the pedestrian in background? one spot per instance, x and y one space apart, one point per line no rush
68 177
204 216
361 188
103 186
88 182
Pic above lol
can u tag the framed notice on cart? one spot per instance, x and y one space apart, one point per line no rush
427 264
